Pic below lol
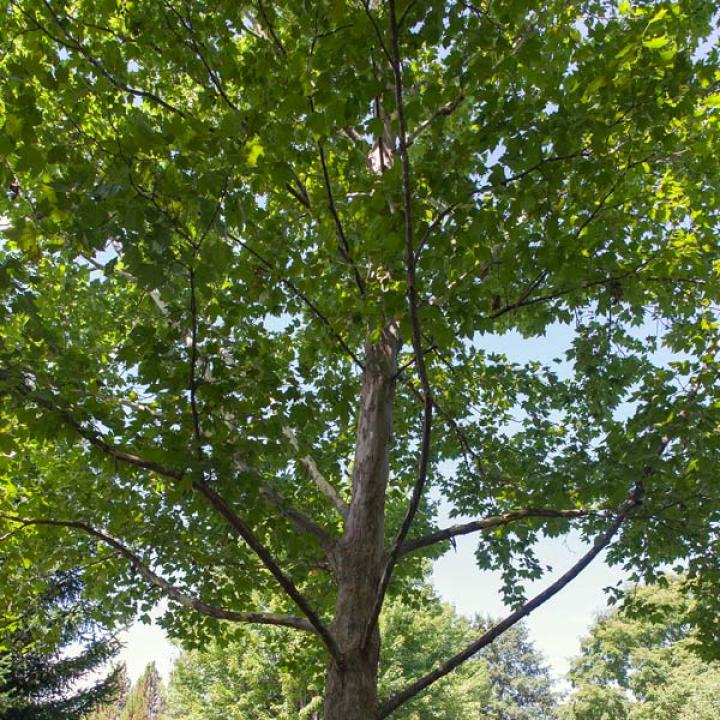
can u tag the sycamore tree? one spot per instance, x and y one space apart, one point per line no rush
252 256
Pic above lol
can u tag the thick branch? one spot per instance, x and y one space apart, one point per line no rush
487 523
243 530
447 667
161 583
301 521
317 477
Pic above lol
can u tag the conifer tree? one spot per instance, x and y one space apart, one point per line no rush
43 676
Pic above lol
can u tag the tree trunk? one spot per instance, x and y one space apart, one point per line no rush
351 690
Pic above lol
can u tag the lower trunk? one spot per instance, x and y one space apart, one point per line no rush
351 691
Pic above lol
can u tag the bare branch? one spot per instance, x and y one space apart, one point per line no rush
322 484
488 523
173 592
486 638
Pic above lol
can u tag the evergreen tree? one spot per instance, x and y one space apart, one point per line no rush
43 674
520 684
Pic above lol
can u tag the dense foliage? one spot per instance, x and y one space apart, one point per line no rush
642 663
253 258
53 657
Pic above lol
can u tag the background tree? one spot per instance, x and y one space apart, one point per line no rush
142 700
641 663
145 701
251 679
51 655
111 710
520 684
255 254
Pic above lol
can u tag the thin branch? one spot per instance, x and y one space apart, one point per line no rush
173 592
271 29
70 43
91 435
196 48
318 478
301 296
343 244
376 27
447 667
406 12
412 298
193 367
488 523
300 197
505 182
443 111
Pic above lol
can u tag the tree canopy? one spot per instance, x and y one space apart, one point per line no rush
252 253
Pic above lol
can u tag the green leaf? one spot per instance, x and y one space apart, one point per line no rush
657 42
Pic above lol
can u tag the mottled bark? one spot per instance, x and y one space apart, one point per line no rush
351 691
